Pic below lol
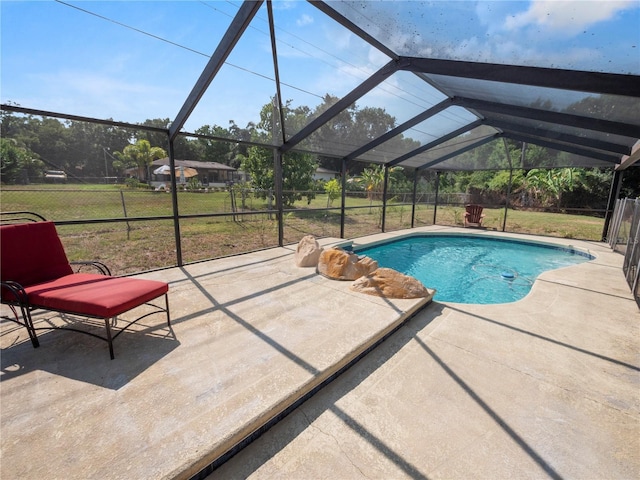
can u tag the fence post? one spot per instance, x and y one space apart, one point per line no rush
233 201
124 208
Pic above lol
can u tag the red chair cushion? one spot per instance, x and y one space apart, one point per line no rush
32 253
95 295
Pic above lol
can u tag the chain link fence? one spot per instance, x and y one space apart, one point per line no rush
133 230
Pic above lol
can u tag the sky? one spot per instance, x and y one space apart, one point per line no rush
132 61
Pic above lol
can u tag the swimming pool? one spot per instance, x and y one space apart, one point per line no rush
472 269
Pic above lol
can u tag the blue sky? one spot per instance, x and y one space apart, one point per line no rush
131 61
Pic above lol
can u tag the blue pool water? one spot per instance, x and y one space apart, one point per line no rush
470 269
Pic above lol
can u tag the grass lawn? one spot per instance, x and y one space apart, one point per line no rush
538 223
136 246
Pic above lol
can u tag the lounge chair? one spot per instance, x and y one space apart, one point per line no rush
473 216
36 274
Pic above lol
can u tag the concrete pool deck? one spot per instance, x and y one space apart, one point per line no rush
545 387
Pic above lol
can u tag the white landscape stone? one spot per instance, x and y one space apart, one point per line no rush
307 252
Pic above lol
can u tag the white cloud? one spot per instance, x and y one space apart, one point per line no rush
304 20
339 39
102 96
376 57
284 5
568 17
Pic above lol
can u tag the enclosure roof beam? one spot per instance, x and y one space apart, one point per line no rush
582 81
460 151
241 21
562 137
563 147
633 157
430 112
342 104
66 116
578 121
355 29
435 143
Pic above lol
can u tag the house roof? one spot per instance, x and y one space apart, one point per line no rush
194 164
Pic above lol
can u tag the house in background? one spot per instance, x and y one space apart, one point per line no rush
210 174
325 174
214 174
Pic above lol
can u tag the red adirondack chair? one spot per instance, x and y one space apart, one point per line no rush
473 216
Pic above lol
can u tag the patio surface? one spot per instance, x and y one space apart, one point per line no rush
545 387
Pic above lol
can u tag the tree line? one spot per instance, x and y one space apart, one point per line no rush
31 145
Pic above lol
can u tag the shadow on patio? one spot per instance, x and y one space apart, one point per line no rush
251 335
546 386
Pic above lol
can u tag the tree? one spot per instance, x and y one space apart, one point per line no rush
631 183
297 167
215 150
352 128
372 180
90 147
612 107
240 150
183 147
297 174
370 123
79 148
140 155
549 185
51 143
500 181
334 189
153 137
17 164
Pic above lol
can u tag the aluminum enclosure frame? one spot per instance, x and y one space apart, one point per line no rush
433 71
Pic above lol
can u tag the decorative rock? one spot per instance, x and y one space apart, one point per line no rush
339 264
386 282
308 252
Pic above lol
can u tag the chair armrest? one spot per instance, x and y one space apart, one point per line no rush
16 290
101 267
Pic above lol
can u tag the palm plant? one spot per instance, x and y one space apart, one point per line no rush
140 155
551 184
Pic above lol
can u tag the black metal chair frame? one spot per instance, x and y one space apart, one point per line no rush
25 307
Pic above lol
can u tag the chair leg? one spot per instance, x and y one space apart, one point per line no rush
166 301
32 332
28 323
109 338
